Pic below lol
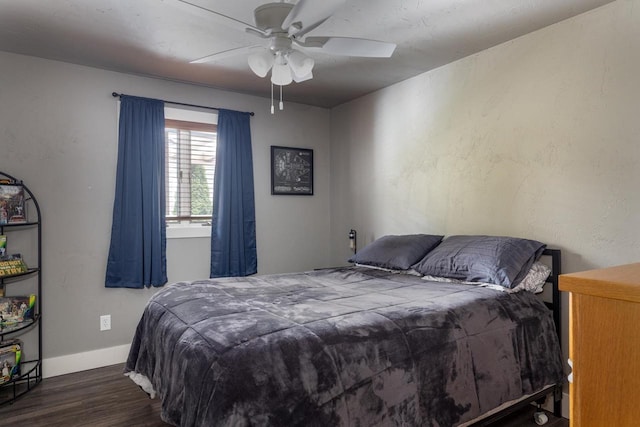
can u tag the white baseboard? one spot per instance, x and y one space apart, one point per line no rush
77 362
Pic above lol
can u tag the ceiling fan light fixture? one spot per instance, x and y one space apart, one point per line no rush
261 62
281 73
300 79
300 64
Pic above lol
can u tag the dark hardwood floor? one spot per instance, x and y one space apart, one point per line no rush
104 397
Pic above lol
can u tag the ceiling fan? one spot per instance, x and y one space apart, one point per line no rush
284 26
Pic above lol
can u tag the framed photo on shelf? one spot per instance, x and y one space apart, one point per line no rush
12 204
291 171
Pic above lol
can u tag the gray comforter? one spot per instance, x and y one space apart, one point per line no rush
340 347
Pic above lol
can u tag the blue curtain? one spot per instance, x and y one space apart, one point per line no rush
137 254
233 224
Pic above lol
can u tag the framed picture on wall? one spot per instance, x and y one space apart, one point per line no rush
291 171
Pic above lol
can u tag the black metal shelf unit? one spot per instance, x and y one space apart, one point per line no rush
30 373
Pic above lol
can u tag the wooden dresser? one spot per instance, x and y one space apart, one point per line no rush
604 345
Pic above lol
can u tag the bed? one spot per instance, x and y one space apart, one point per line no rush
377 343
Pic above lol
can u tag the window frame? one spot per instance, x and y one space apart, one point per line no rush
181 226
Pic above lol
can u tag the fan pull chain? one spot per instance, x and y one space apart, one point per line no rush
272 109
281 103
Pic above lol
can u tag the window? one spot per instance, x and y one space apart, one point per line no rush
190 155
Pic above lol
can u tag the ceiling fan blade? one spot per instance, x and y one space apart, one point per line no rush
227 20
308 14
226 54
347 46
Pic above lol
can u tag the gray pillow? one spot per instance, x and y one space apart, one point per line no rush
396 252
503 261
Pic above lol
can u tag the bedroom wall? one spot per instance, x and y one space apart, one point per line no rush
58 132
537 137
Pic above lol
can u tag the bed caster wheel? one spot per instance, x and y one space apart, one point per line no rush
540 418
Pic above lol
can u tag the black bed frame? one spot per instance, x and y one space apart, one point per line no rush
540 397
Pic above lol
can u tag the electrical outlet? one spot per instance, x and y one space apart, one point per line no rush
105 322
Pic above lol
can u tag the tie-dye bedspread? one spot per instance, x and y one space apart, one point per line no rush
340 347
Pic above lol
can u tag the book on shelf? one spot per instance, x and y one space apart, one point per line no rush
10 357
10 265
3 245
17 309
12 209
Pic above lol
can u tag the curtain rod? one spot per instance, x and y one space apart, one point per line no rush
117 95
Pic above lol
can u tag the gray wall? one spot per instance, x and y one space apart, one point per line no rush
58 132
538 138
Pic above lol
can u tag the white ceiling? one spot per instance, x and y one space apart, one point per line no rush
160 37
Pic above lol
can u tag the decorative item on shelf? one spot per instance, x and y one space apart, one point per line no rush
3 245
11 265
17 309
12 203
353 240
10 357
